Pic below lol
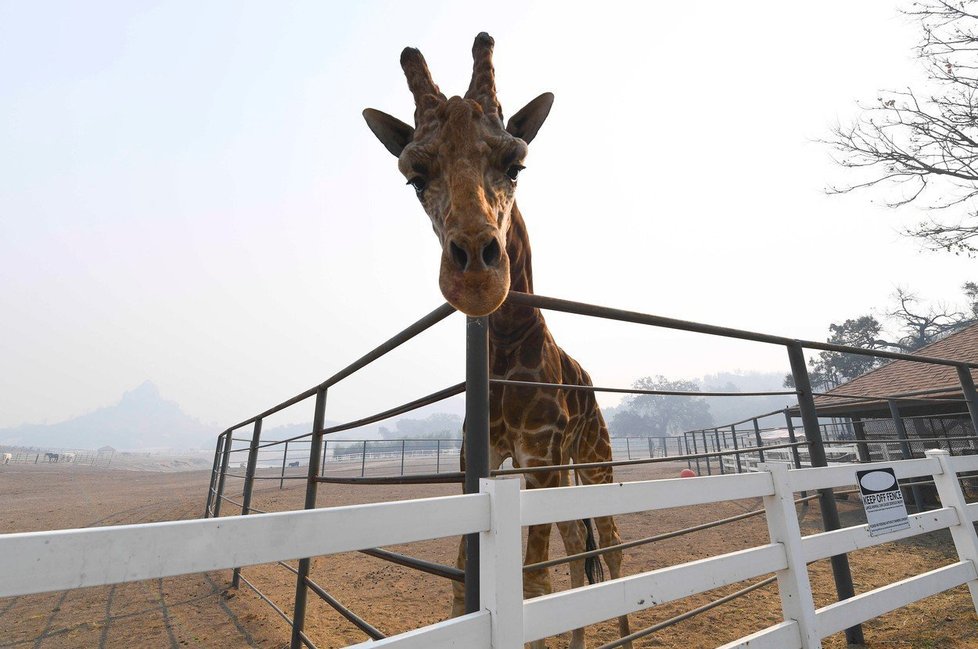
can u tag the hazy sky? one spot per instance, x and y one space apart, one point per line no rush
188 193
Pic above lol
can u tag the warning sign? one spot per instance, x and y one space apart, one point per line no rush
883 501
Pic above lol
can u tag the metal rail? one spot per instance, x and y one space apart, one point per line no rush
352 617
477 431
393 343
581 308
437 569
662 537
434 397
675 393
266 599
688 614
654 460
454 477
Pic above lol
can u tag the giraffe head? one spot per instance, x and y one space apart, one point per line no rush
463 163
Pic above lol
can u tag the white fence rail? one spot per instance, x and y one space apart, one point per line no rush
57 560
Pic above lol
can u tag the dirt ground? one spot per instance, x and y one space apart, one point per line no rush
201 610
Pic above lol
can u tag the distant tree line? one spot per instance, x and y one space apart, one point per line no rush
657 415
439 425
422 436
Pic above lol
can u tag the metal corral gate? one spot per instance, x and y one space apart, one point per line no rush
36 562
476 388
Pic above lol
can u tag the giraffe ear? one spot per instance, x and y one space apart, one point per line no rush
392 132
528 120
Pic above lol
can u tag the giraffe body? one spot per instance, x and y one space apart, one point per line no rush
463 164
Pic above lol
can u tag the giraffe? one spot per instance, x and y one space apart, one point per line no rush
463 164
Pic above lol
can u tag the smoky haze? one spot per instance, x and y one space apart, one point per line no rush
190 195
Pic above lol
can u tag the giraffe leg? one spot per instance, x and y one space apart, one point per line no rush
608 536
537 582
572 533
458 587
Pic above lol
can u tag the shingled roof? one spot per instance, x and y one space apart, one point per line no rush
909 379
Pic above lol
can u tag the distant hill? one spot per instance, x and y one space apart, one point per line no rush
142 419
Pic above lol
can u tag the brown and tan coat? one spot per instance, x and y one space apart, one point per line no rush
463 163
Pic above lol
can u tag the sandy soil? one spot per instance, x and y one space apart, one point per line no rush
200 611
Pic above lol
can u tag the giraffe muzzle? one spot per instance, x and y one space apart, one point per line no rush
474 275
474 257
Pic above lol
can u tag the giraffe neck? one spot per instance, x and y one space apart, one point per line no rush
511 324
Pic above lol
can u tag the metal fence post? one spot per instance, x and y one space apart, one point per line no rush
628 449
905 452
795 454
696 452
476 438
212 487
438 456
285 456
733 435
760 442
322 466
970 394
862 446
706 451
363 459
651 453
947 436
249 484
403 441
226 453
826 499
315 447
720 458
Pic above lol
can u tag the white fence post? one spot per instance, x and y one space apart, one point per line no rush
963 534
501 563
794 586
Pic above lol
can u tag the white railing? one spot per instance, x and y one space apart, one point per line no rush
47 561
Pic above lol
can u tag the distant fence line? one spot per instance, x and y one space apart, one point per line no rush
407 456
48 455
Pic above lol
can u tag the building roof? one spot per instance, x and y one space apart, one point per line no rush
921 385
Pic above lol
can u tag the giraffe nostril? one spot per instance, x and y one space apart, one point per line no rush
458 255
490 253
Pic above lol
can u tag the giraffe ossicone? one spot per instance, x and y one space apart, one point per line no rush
463 163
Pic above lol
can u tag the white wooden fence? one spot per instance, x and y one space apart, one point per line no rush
58 560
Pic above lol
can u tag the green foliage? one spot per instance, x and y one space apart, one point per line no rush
830 369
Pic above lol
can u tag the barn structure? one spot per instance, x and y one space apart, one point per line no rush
902 408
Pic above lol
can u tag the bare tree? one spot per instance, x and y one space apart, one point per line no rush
923 146
912 324
919 326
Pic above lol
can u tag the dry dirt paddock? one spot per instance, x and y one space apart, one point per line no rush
200 611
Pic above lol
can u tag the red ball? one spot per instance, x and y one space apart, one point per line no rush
687 473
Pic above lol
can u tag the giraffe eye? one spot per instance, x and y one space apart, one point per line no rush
514 171
419 184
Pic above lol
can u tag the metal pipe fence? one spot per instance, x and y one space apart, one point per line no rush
730 448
